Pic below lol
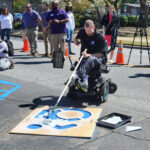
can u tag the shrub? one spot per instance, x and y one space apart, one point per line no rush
148 20
132 21
123 21
17 25
80 19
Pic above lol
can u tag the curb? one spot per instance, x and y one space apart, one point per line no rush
124 45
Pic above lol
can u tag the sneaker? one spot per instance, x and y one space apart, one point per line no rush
12 65
46 55
83 86
30 54
35 54
71 53
111 61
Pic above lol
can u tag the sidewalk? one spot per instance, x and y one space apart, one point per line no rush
122 35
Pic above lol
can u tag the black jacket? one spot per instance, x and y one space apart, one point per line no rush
93 44
114 23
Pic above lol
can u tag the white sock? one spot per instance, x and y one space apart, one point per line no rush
75 76
85 80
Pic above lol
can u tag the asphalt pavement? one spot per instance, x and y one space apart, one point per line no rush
38 84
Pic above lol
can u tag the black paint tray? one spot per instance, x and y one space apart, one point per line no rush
113 120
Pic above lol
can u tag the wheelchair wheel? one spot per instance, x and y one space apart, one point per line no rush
104 92
112 88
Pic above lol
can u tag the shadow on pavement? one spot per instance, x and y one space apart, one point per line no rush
140 75
80 102
34 63
141 66
27 57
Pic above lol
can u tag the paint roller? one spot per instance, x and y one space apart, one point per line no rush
53 109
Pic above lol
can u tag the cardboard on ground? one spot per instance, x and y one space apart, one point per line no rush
84 127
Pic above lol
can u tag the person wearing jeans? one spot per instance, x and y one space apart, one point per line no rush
6 24
70 26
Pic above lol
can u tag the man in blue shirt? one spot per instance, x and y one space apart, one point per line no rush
57 19
46 31
31 20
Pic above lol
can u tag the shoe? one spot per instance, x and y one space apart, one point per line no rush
30 54
12 65
35 54
82 85
44 55
71 53
111 61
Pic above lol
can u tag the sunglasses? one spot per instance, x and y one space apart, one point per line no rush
27 7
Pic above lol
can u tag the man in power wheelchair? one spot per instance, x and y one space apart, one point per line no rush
87 79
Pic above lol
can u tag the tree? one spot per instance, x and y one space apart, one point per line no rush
18 5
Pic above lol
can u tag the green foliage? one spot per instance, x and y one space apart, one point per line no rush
17 25
80 19
19 5
123 21
148 20
128 21
132 21
81 7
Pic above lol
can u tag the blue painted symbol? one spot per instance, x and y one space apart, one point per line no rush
54 116
7 92
34 126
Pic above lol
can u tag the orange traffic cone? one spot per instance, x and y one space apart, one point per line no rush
120 55
26 47
66 52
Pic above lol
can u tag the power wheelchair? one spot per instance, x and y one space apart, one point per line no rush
98 86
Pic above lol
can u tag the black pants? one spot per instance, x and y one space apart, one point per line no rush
87 64
113 34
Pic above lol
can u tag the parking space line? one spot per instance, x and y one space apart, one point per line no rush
6 93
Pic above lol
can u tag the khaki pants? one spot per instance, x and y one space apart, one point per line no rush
47 37
32 35
58 41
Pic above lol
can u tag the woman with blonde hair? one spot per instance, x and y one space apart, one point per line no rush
6 19
111 23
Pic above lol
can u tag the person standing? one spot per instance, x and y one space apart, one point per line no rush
31 20
70 26
46 31
6 23
57 19
111 23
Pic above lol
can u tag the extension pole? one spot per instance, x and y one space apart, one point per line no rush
65 86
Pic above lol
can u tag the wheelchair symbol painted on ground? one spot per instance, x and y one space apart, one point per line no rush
61 119
70 122
5 92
